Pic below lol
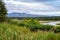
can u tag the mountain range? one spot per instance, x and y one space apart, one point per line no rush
16 14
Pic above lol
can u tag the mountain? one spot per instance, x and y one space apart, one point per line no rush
16 14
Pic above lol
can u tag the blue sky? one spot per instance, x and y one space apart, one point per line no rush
38 7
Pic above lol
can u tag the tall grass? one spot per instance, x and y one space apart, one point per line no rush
14 32
24 30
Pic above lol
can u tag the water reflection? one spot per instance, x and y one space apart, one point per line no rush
52 23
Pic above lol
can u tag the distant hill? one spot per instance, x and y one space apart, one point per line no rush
16 14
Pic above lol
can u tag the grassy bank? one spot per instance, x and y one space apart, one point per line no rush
14 32
28 30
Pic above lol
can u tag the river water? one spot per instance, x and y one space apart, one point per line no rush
51 23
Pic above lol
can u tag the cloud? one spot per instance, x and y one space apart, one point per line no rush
54 3
31 8
35 0
44 0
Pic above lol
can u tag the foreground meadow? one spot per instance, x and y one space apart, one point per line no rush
19 31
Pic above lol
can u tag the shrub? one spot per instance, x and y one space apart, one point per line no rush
12 22
34 25
47 27
21 24
57 30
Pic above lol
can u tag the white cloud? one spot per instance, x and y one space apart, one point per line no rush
32 8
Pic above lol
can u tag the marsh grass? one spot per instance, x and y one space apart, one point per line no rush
14 32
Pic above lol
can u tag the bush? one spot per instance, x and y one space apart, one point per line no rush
34 25
57 30
46 27
12 22
21 24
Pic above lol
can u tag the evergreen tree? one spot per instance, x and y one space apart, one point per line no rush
3 11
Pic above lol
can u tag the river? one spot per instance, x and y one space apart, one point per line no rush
51 22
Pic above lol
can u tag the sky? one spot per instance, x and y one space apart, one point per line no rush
38 7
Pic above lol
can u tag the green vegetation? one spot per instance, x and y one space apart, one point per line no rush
57 29
26 29
46 18
32 24
3 11
35 25
14 32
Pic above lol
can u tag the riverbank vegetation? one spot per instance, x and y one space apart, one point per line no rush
35 25
28 30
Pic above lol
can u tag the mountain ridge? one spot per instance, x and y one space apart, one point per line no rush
17 14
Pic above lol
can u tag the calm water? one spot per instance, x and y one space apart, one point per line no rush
52 22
